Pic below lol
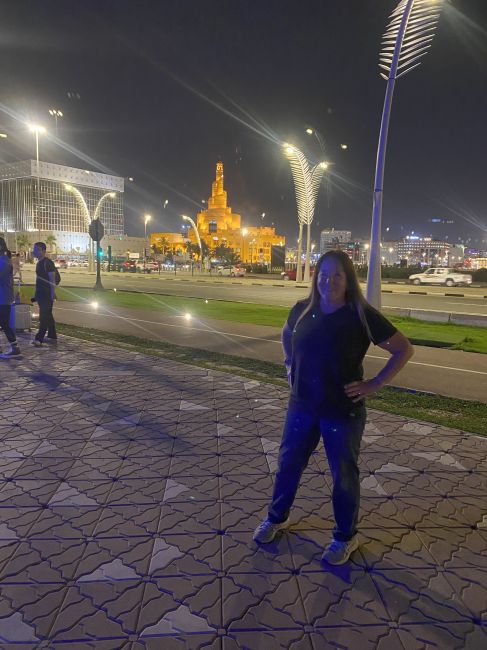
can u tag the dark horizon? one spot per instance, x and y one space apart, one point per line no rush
161 91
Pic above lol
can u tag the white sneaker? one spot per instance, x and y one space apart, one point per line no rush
338 552
266 531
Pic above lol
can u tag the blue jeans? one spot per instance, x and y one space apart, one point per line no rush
342 437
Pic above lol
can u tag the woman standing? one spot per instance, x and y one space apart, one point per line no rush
7 299
325 340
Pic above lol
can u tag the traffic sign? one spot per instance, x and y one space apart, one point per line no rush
96 230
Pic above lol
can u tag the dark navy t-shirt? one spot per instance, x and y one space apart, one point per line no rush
43 286
327 353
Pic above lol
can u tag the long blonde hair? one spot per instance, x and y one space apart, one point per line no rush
353 292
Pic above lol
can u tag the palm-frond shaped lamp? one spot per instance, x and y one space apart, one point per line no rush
408 37
307 180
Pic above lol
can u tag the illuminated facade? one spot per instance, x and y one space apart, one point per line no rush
168 242
219 226
34 200
423 250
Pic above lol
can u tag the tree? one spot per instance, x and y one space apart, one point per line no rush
51 242
226 255
23 242
192 249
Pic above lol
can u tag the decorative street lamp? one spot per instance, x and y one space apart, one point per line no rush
186 218
307 180
407 39
86 212
36 128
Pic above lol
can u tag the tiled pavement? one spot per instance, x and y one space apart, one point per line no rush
129 489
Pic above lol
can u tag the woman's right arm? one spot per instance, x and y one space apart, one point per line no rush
286 339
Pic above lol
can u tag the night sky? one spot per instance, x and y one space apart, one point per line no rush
158 82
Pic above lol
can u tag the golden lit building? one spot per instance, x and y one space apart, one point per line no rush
219 226
168 242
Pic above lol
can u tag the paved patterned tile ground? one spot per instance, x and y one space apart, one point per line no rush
129 489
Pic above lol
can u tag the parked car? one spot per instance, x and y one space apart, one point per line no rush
441 275
129 266
146 267
231 270
290 274
61 264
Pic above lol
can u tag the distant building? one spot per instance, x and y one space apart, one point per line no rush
219 226
414 249
34 200
331 238
164 243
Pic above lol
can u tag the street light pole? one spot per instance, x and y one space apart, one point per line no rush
406 40
186 218
307 180
84 208
244 233
147 218
55 113
36 129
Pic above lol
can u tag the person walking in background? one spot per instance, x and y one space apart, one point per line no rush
45 294
325 340
7 299
17 267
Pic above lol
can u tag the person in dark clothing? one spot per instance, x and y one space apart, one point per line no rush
7 299
325 340
45 295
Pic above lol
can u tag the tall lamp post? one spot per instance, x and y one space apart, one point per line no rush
56 114
244 234
195 228
147 218
307 180
86 212
37 129
408 37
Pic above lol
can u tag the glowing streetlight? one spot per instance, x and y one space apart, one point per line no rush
147 218
37 129
165 203
307 180
318 136
3 135
56 114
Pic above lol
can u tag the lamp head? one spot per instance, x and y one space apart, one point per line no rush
36 128
324 165
309 131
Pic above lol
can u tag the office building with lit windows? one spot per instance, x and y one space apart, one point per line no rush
47 199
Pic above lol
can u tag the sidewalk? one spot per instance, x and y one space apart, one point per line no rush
130 487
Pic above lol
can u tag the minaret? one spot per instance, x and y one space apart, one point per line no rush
218 197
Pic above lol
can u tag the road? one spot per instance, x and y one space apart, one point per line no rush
463 300
447 372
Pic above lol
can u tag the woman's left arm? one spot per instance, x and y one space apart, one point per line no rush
400 350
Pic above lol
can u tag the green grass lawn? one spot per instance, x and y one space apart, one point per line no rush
457 337
447 411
